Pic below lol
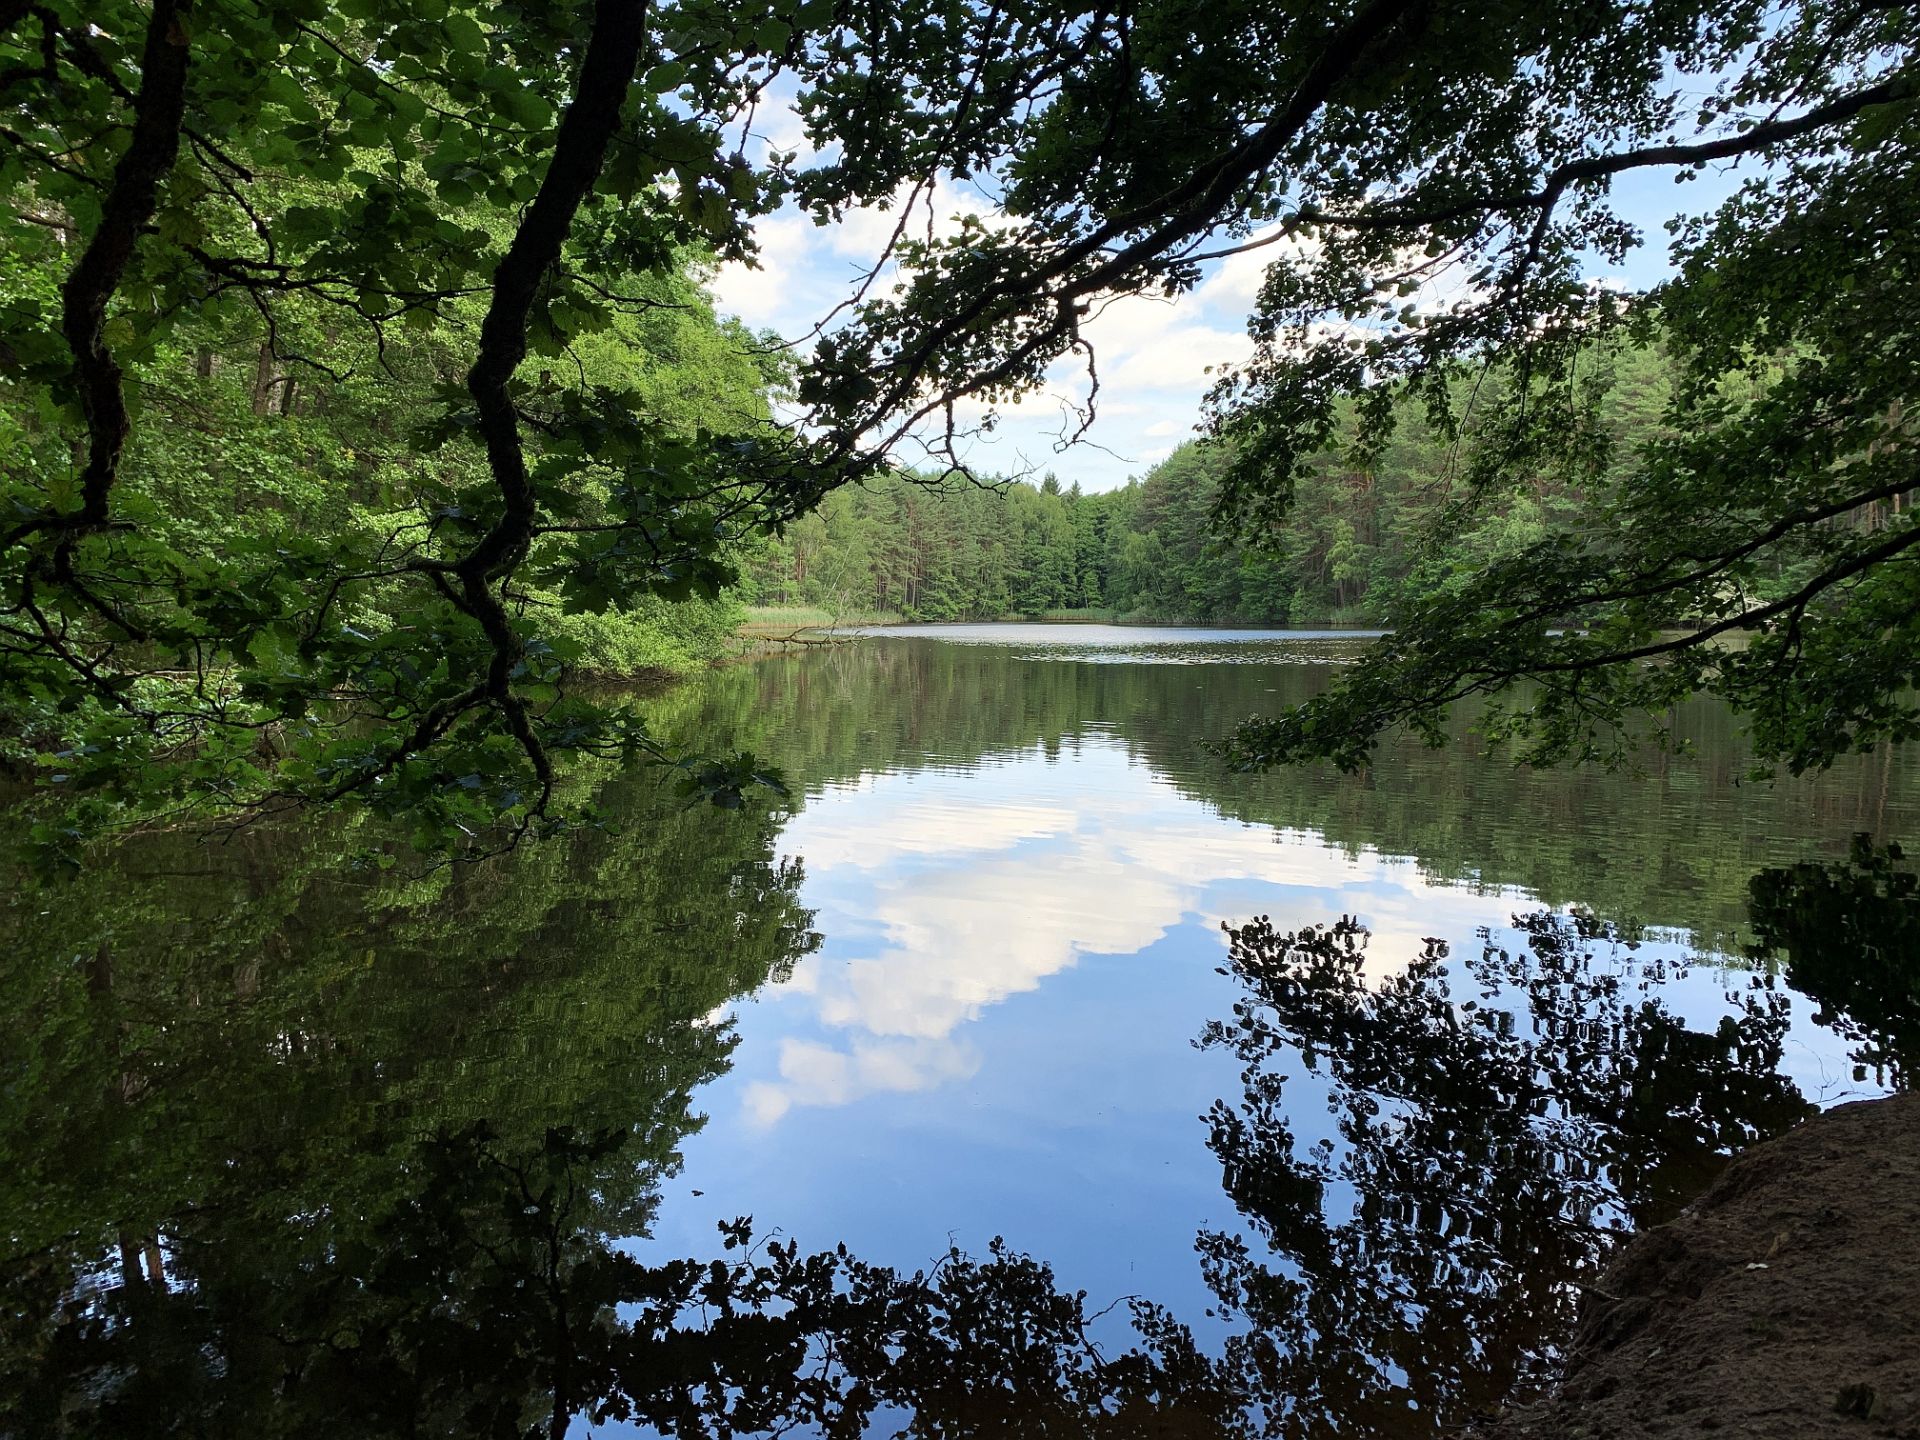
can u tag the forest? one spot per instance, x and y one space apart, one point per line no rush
258 431
359 390
441 1000
1355 542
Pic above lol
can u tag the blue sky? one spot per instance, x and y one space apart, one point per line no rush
1155 357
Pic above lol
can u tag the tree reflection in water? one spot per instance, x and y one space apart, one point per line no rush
489 1302
1494 1125
285 1151
1490 1139
1850 934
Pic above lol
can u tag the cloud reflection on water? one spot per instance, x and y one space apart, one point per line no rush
943 894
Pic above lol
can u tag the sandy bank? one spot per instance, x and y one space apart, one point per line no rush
1785 1302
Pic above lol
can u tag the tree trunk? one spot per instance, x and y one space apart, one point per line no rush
265 373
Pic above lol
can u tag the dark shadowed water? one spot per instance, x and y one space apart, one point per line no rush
297 1144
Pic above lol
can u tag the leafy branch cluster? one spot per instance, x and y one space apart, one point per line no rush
500 207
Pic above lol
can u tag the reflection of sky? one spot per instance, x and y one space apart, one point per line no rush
945 894
1087 644
996 1037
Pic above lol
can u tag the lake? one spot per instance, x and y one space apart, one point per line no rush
300 1138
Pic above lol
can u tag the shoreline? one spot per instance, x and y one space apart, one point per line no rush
1779 1304
760 624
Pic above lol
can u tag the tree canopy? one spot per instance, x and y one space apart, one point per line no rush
487 204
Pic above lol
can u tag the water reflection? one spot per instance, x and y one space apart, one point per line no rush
1491 1131
221 1189
1850 934
1670 849
1090 644
293 1145
483 1298
917 875
1388 1279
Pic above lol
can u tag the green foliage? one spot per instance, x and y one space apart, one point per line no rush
956 551
1725 470
261 545
1356 544
338 339
651 636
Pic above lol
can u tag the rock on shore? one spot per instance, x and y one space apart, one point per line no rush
1785 1302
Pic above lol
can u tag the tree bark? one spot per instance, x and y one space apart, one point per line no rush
580 148
264 374
159 112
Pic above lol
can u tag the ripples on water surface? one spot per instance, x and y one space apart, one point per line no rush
1133 644
289 1138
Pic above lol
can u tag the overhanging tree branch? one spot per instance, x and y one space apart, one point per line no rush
1892 90
159 114
613 51
1080 269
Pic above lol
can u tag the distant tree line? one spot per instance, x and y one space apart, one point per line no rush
969 552
1360 534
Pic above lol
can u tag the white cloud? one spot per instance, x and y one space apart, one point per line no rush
814 1074
1235 281
1157 357
762 295
933 946
1185 360
1153 353
835 829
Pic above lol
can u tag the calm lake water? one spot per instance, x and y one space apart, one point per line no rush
296 1144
